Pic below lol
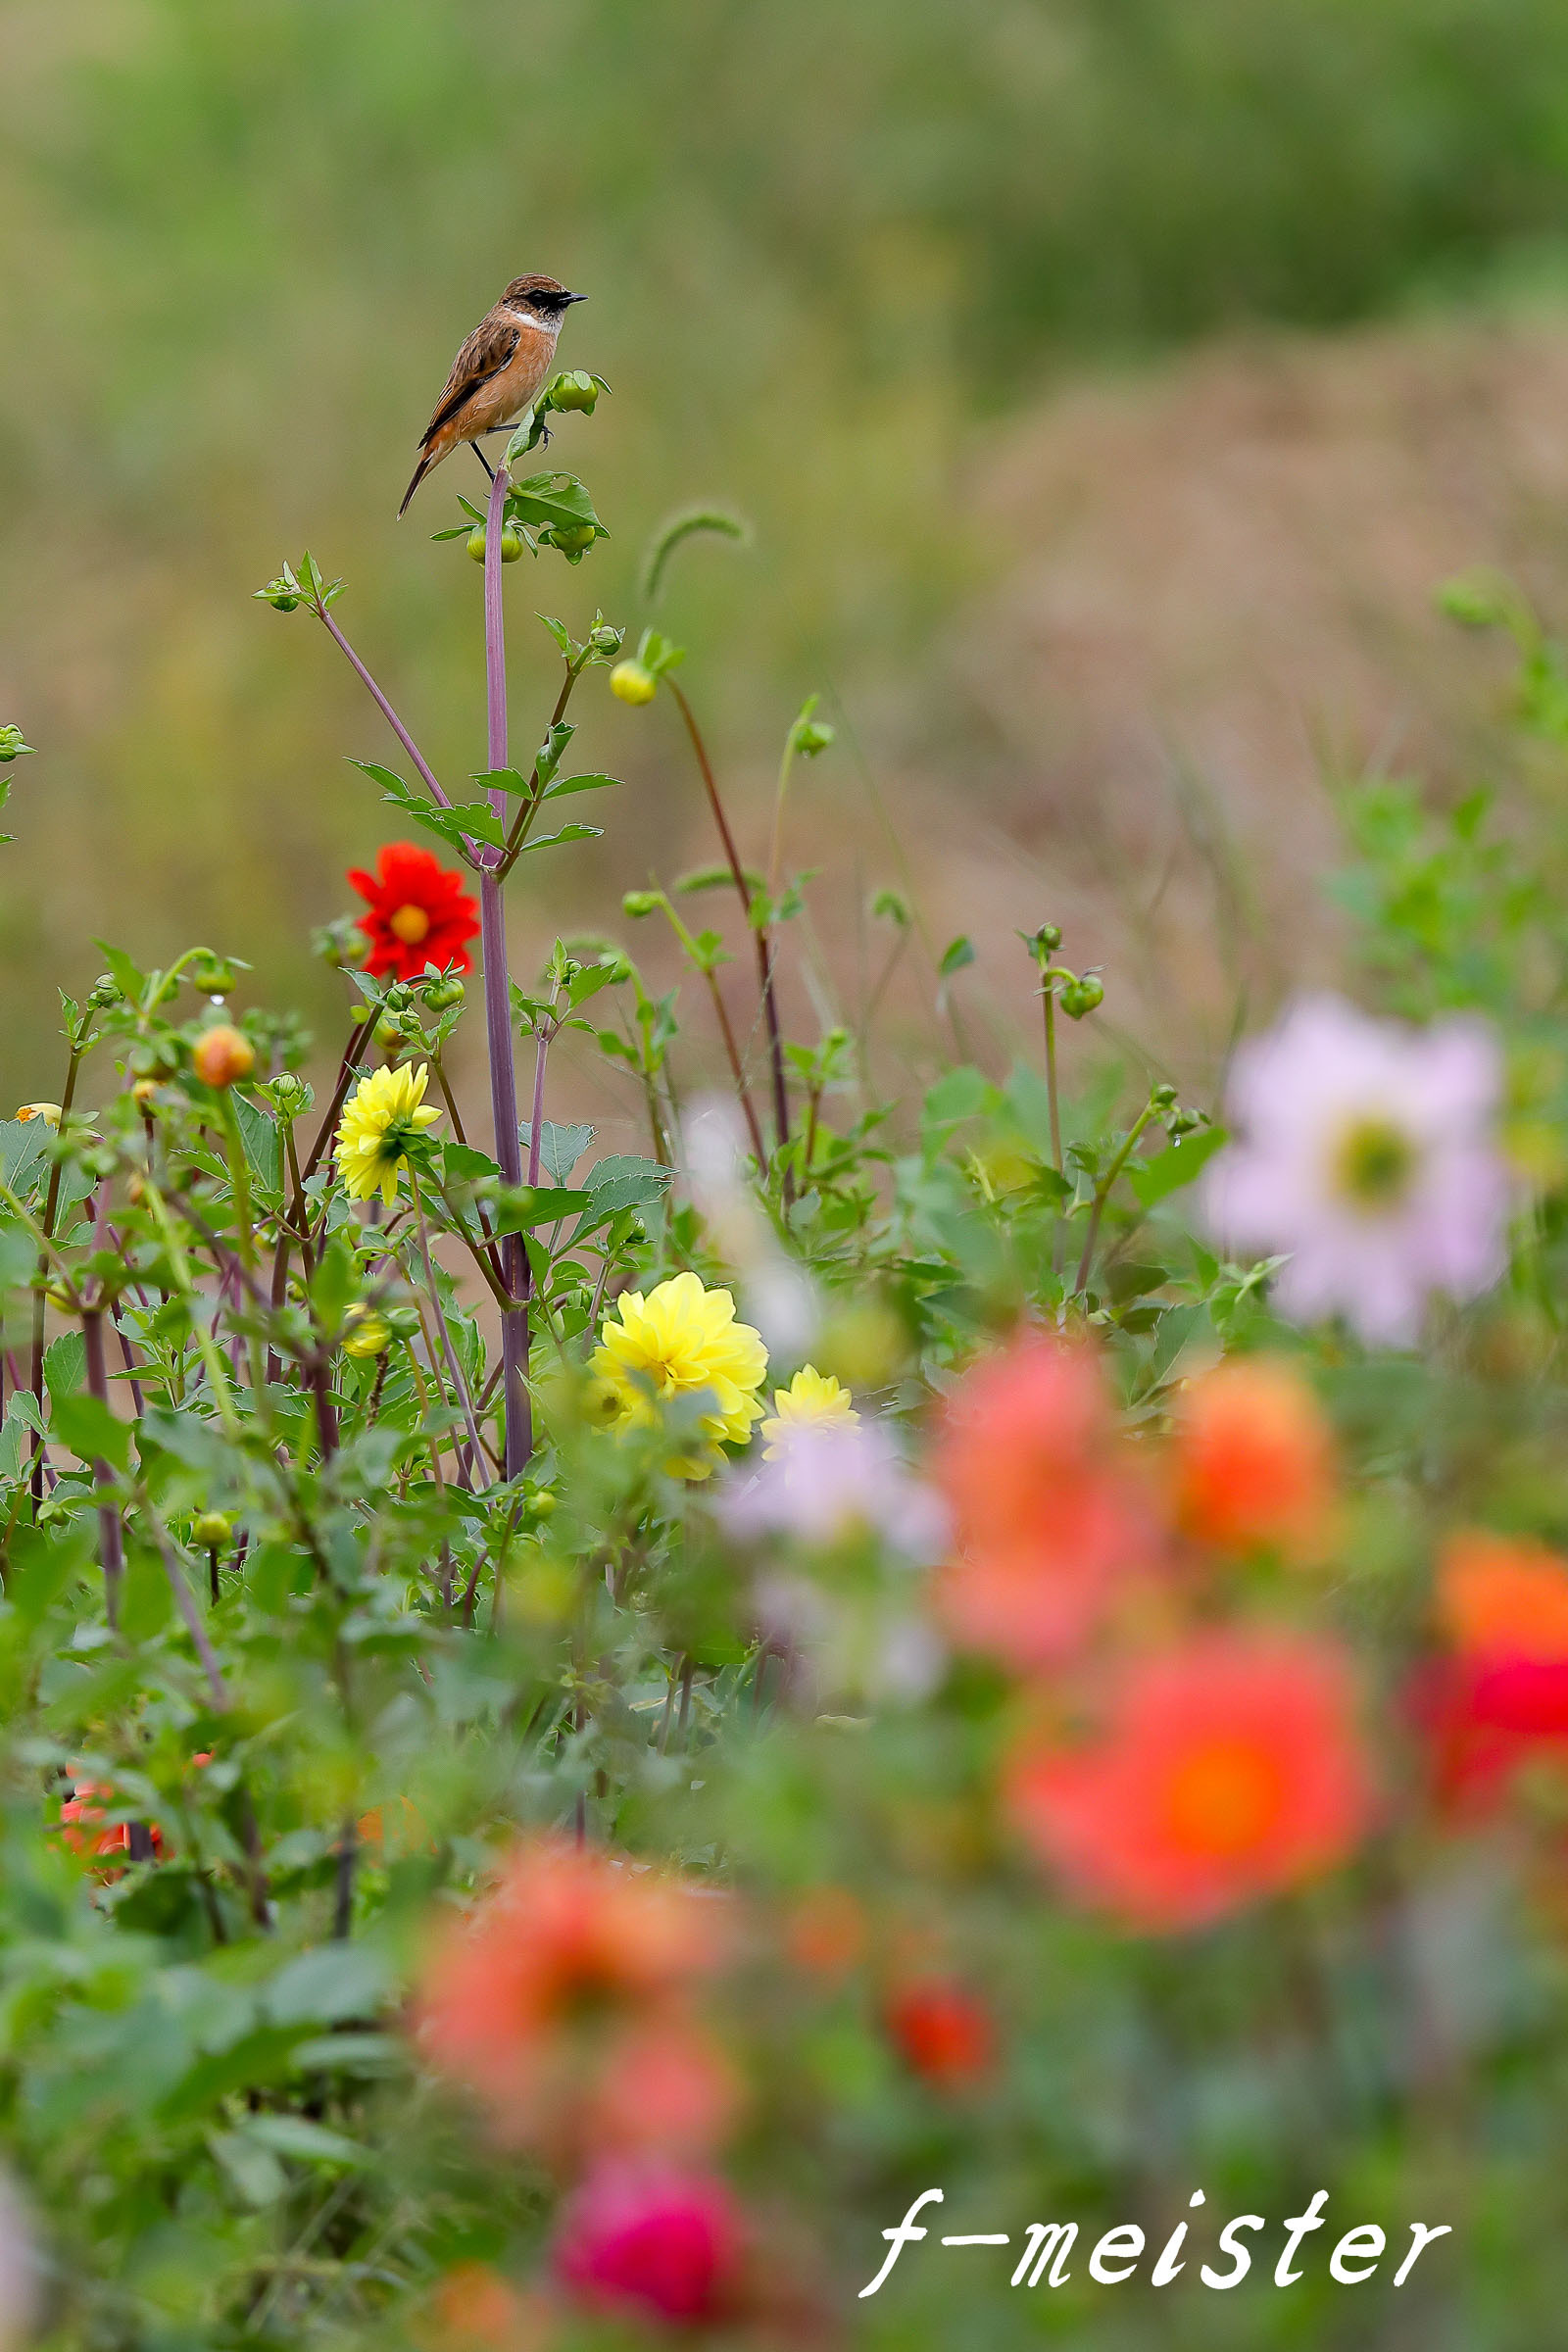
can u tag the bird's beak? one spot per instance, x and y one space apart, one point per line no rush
576 298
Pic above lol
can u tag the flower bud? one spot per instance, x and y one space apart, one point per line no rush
282 595
1162 1098
573 542
290 1094
144 1092
475 542
211 975
638 902
341 944
222 1055
1082 996
510 544
11 745
575 389
1049 937
368 1334
210 1531
105 990
49 1113
633 682
388 1033
440 994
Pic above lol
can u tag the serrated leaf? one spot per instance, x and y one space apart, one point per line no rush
505 780
91 1430
521 1207
554 841
559 632
65 1361
263 1146
1153 1180
129 979
559 790
559 1147
24 1152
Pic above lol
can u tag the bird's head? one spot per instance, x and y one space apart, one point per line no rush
543 300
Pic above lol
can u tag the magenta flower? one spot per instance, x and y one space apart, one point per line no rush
1365 1154
652 2243
827 1482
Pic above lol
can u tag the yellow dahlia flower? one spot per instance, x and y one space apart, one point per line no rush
813 1398
682 1337
380 1119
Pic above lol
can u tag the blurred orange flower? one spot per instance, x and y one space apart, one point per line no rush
1051 1517
473 2308
81 1818
942 2032
826 1931
1253 1460
531 2001
1503 1597
1229 1768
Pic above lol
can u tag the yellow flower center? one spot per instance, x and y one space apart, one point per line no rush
1374 1165
410 924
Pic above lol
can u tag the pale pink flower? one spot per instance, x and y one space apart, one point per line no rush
825 1481
1365 1154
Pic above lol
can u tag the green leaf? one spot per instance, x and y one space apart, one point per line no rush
559 790
955 954
91 1430
468 819
372 2054
521 1207
958 1094
556 498
307 2143
24 1152
554 841
559 1147
197 1442
263 1146
253 2172
128 978
505 780
461 1164
330 1982
1153 1180
65 1361
620 1182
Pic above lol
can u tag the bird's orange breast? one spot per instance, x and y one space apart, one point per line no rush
508 393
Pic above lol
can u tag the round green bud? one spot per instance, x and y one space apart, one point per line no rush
105 992
510 544
475 542
1049 937
1082 997
574 390
439 995
633 682
290 1093
388 1033
212 975
1162 1098
210 1531
638 902
341 944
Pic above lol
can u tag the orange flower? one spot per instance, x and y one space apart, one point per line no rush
1052 1520
473 2308
825 1933
1254 1461
522 2001
942 2032
1229 1768
1503 1597
222 1054
81 1817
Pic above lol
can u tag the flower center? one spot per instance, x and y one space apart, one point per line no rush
409 923
1222 1798
1374 1165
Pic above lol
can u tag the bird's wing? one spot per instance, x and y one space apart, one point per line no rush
491 346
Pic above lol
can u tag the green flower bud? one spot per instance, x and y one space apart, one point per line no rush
633 682
572 543
211 975
291 1096
341 944
281 594
510 544
105 990
574 390
475 542
439 995
12 745
388 1033
1049 938
1162 1098
638 902
1081 996
210 1531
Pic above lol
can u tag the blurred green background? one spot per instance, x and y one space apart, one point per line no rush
829 248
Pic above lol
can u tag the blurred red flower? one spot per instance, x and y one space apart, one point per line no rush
81 1818
653 2243
1229 1768
1500 1697
531 2001
1253 1460
1050 1513
942 2032
416 913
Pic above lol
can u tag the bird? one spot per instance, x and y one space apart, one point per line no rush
501 368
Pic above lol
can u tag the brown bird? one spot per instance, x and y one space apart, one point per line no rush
501 368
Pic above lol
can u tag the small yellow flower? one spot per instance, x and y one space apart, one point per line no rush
677 1340
380 1119
814 1399
49 1113
368 1334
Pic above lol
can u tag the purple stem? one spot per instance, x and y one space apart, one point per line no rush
516 1410
385 709
110 1537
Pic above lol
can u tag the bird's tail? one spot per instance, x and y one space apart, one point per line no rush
420 473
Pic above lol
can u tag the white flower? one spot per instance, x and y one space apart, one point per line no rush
1365 1152
826 1482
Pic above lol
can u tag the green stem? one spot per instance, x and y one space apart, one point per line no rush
1103 1194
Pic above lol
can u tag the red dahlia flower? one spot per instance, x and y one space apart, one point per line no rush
417 914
